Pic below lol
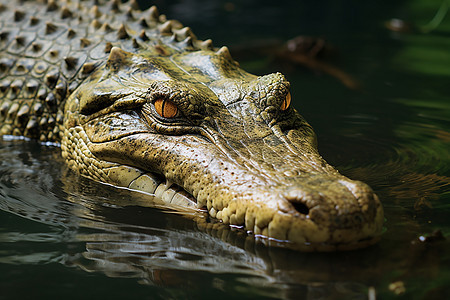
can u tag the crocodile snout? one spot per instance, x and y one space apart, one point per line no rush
337 203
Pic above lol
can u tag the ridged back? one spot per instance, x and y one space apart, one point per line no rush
47 49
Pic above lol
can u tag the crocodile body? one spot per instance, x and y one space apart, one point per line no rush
137 101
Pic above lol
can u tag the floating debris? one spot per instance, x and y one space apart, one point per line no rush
397 287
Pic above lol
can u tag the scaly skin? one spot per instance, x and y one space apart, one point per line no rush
91 77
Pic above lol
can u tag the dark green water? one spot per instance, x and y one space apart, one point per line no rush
61 238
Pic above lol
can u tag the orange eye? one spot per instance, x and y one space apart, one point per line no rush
166 108
286 102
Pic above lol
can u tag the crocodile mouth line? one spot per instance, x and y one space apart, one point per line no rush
159 192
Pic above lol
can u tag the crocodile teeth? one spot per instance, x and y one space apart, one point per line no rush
38 109
23 113
32 124
13 110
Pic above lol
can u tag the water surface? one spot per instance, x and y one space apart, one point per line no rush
62 236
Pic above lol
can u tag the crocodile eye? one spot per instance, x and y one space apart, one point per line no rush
166 108
286 102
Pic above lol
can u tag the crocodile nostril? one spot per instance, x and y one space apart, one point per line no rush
301 207
299 198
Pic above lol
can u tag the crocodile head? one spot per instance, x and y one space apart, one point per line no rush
228 141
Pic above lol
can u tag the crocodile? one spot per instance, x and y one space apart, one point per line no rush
139 102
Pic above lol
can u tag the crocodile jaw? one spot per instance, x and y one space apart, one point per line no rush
288 214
